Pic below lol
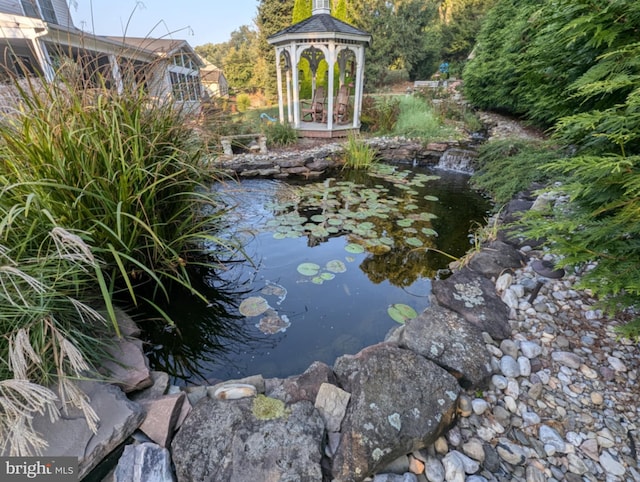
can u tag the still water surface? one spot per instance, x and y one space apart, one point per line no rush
340 306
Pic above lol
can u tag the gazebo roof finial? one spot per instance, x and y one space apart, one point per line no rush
321 6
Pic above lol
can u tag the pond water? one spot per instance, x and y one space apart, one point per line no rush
333 265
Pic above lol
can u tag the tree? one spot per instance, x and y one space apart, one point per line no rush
240 59
213 53
273 16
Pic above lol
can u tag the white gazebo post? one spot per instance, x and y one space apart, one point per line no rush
320 37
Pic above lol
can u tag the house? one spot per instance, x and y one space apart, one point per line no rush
37 37
214 81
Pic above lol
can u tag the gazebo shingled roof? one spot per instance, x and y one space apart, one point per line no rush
319 23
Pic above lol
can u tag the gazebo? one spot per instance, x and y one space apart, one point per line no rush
333 110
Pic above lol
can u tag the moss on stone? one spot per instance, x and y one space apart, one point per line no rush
266 408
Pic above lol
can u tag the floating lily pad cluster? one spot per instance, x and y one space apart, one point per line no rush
271 321
319 275
380 218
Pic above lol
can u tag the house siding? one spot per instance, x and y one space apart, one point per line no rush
59 6
11 6
62 13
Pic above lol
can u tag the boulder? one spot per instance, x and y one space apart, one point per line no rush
301 387
146 462
70 436
475 298
160 385
495 258
249 439
446 338
400 402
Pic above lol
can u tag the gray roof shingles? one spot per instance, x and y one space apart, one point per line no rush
320 23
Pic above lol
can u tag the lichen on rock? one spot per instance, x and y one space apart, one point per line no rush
266 408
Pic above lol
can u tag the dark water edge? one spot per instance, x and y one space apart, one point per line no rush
214 341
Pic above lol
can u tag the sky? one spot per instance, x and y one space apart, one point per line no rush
196 21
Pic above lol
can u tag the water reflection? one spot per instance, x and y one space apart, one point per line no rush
204 335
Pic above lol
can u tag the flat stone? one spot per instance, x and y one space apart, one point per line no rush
70 436
434 470
146 462
530 349
550 436
511 453
611 465
127 365
160 384
332 402
566 358
233 441
161 418
474 297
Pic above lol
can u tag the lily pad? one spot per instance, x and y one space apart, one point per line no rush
308 269
318 280
272 323
253 306
404 223
429 232
401 313
327 276
279 235
430 198
414 242
354 248
336 266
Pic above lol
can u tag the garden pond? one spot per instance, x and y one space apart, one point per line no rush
328 267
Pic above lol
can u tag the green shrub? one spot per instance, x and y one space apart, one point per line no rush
379 115
506 167
280 135
243 102
418 119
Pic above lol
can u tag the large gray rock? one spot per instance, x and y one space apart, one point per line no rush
146 462
447 339
224 440
400 402
475 298
493 259
70 436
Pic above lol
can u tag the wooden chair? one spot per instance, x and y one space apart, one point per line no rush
341 107
314 111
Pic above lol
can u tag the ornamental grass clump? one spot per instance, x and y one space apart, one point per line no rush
123 169
103 199
359 154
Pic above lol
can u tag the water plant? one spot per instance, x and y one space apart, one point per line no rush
358 153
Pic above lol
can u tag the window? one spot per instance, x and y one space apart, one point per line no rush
39 9
48 12
185 87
